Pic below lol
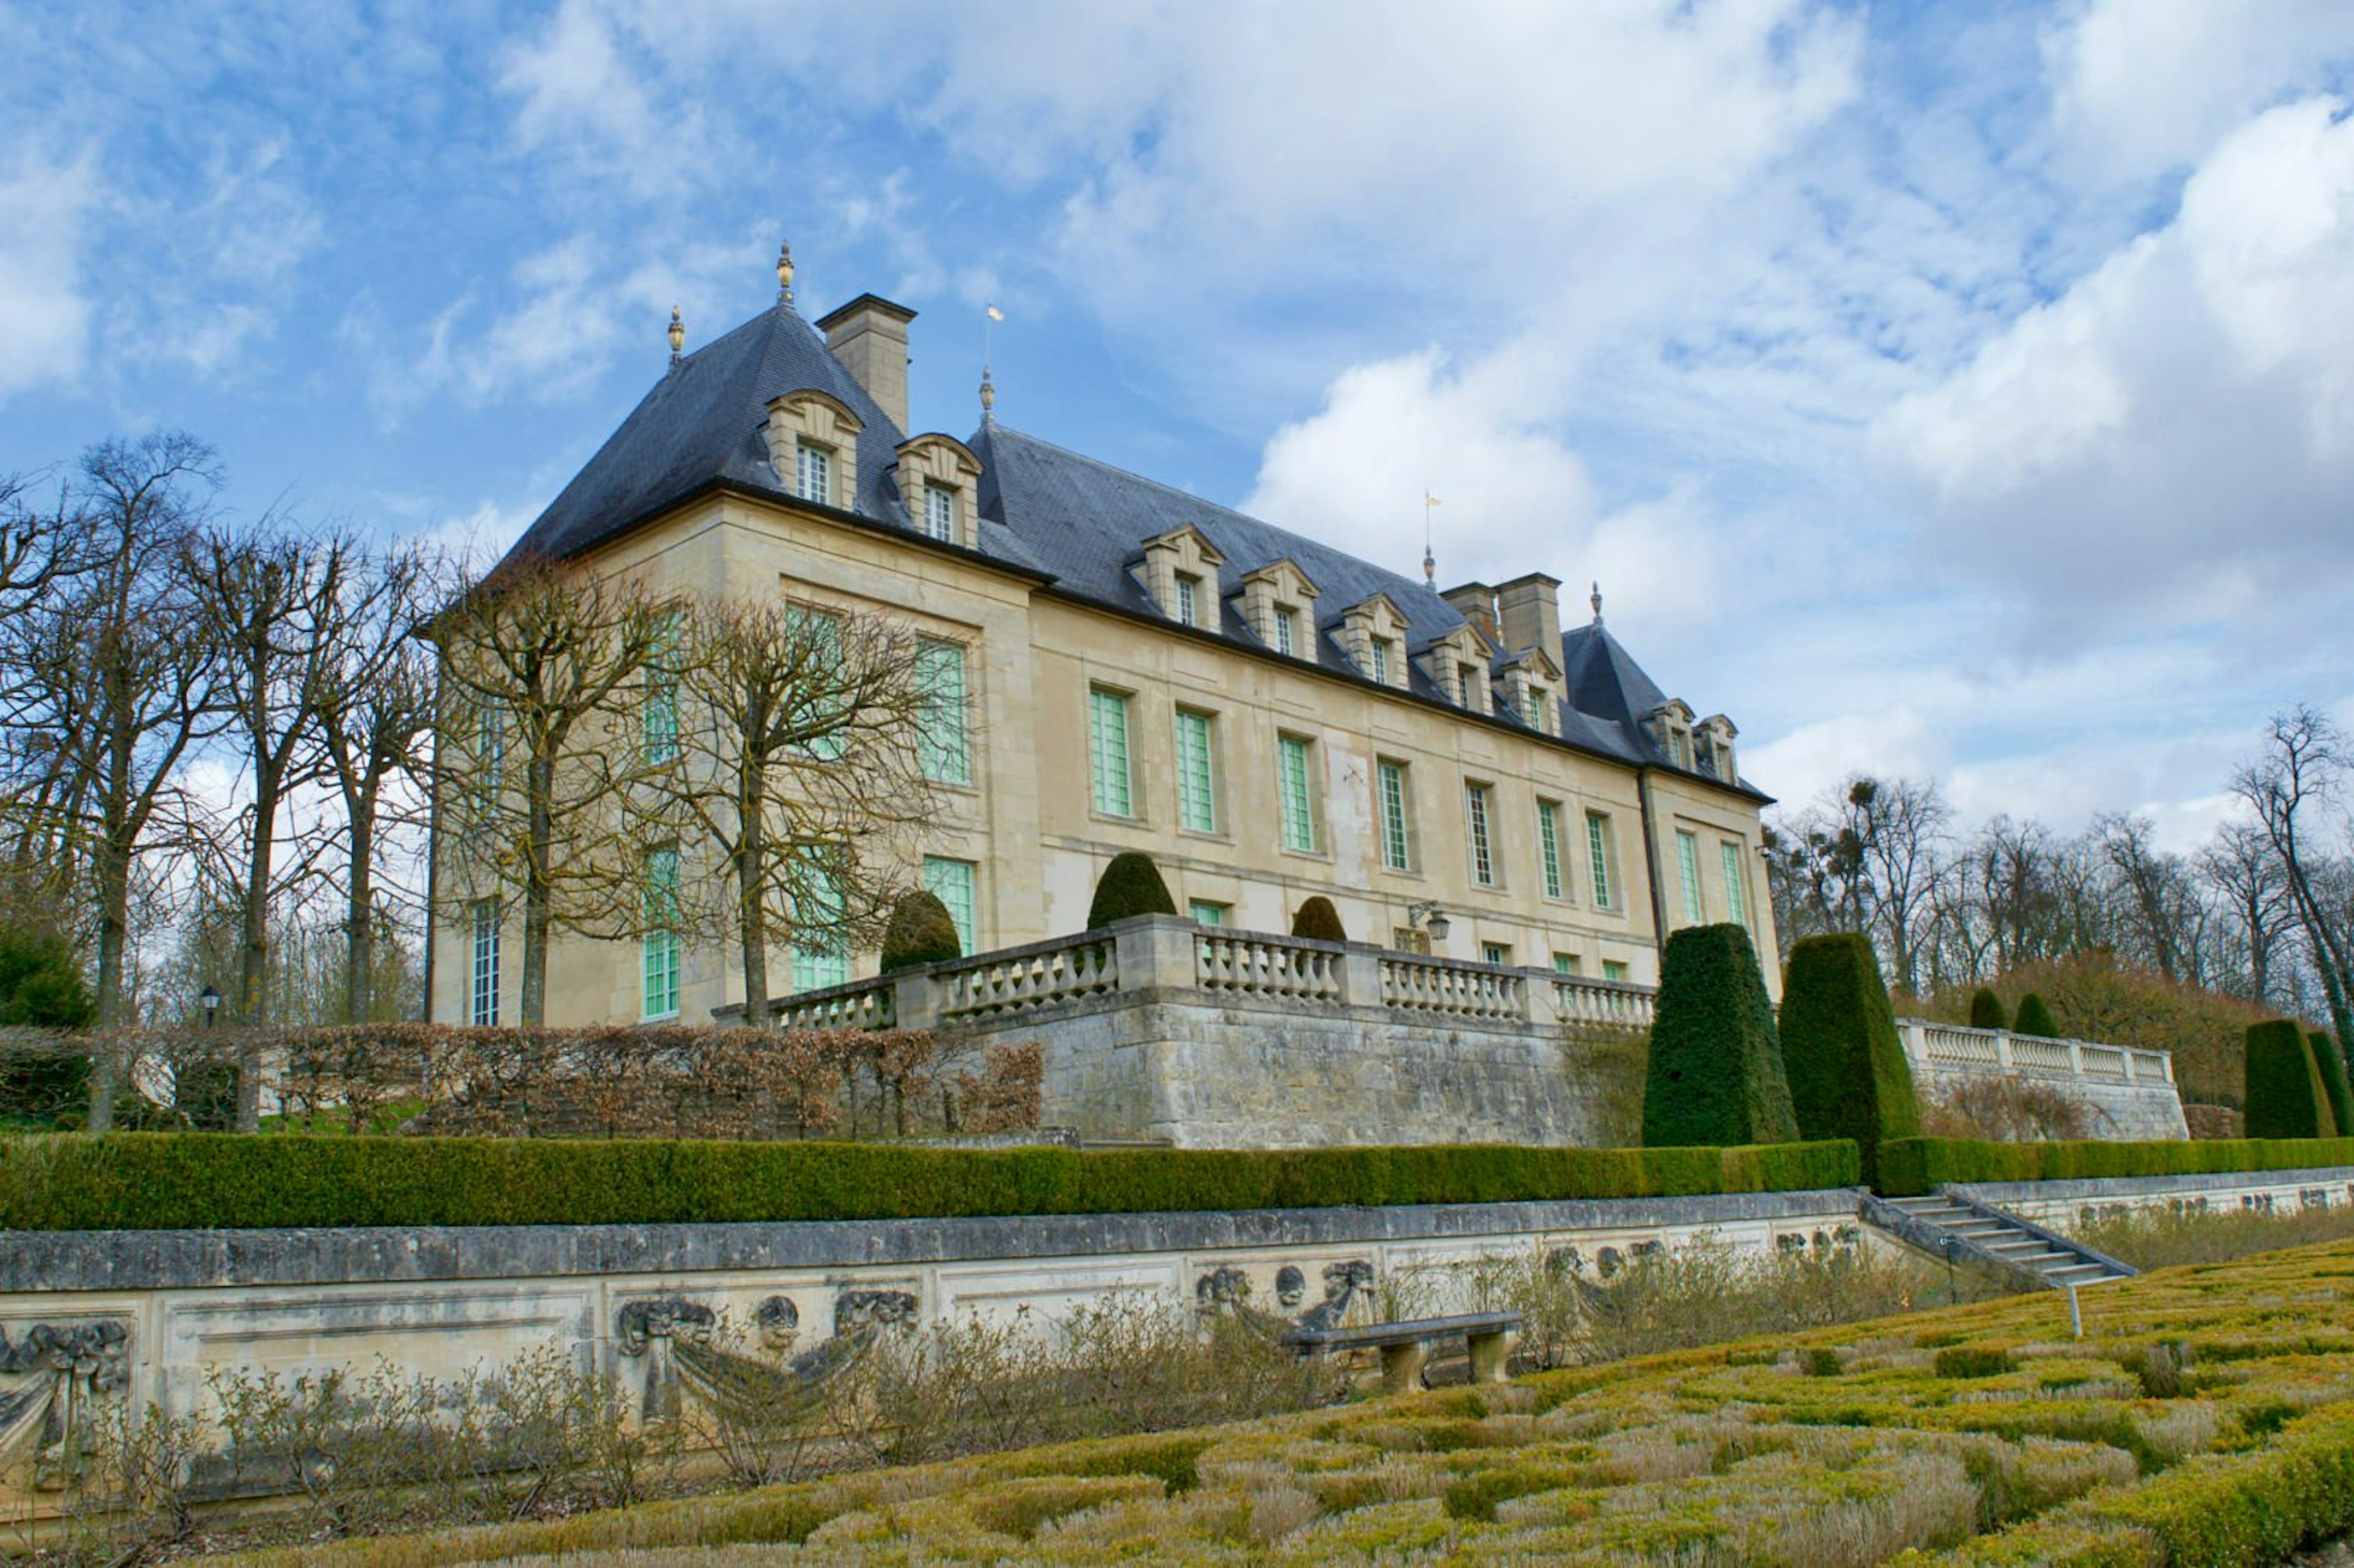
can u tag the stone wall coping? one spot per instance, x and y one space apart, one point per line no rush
163 1260
2196 1184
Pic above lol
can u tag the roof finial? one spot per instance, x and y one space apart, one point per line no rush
988 398
677 336
785 274
1597 602
1429 565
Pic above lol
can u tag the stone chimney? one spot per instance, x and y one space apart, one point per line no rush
869 336
1529 609
1476 602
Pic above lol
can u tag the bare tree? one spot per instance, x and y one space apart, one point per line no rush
2294 780
374 702
2240 865
117 681
807 745
540 670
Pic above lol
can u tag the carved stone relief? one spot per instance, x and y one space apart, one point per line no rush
51 1381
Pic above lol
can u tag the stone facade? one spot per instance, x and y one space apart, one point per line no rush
1643 837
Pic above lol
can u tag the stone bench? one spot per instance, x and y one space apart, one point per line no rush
1406 1344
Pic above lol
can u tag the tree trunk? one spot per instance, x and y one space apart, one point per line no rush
751 913
114 879
359 921
253 979
537 851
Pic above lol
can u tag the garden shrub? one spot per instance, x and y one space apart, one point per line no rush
2285 1094
1846 1070
2332 1062
41 985
1715 1074
1131 885
1986 1009
2035 1018
1316 917
922 931
1912 1166
228 1181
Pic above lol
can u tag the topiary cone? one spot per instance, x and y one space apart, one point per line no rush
1848 1078
1131 885
2035 1018
2285 1094
2334 1084
1715 1072
1317 918
1986 1009
922 931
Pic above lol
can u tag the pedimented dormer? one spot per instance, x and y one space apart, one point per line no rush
1532 686
939 482
1714 737
1278 603
1669 725
1373 634
1457 664
813 445
1181 574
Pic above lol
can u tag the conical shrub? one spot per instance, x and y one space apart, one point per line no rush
1715 1068
1131 885
1986 1009
922 931
1846 1066
2035 1018
2285 1097
2332 1062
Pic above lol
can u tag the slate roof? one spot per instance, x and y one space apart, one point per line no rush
1078 522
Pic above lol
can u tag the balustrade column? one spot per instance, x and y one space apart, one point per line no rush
916 999
1359 973
1157 952
1538 1003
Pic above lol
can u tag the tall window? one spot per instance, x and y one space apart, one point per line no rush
813 478
658 962
1468 682
939 514
482 1010
1688 872
1549 846
1397 848
1189 595
1287 630
1483 854
1197 799
1291 764
826 702
1598 851
1107 742
951 882
1736 896
821 957
942 748
1382 659
658 722
490 755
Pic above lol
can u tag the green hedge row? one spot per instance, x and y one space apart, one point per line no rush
223 1180
1912 1166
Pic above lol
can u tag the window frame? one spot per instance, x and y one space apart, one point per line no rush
1497 953
1602 853
484 977
1101 700
1688 875
1289 745
815 967
1479 834
949 712
1378 656
1287 630
1187 589
1732 860
1554 884
810 457
1217 912
1386 771
939 519
968 927
658 949
1210 820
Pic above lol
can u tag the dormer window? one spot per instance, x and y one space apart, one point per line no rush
938 479
1715 737
1287 630
1669 726
940 513
1180 573
1381 670
1270 605
813 474
1189 599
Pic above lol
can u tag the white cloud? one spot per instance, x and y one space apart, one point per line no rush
45 311
586 89
2173 437
2140 86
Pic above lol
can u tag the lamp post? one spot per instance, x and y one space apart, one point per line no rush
1428 915
209 1000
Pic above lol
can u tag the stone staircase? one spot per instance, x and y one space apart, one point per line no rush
1958 1228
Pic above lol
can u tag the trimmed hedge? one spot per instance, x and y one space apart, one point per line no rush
1912 1166
227 1181
1986 1009
1317 918
2332 1062
1848 1073
2035 1018
2285 1097
1131 885
922 931
1715 1074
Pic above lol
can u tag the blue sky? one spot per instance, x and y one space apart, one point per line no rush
1966 391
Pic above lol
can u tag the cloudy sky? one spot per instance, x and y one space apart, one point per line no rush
1958 390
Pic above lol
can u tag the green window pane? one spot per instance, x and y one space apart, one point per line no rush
1613 970
1108 731
1597 850
1736 900
1396 849
1207 913
1688 872
821 957
1495 953
942 746
659 955
1298 804
1483 858
1549 846
951 882
485 1012
1197 805
1565 963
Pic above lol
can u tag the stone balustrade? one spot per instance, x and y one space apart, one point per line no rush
1933 1045
1166 955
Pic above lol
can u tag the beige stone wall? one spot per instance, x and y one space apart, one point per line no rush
1028 824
